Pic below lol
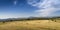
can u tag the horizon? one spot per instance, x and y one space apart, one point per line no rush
29 8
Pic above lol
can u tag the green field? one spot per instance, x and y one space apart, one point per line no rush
30 25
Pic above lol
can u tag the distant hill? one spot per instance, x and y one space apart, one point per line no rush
30 18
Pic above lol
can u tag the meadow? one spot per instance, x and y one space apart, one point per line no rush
30 25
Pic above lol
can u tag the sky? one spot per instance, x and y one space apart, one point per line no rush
29 8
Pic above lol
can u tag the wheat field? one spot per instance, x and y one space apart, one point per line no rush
30 25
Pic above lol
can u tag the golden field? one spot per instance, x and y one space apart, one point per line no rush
30 25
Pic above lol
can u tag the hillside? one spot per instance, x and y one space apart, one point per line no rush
30 25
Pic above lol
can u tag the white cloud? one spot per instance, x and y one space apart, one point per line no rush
15 2
46 7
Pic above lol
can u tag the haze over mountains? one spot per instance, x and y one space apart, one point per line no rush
29 18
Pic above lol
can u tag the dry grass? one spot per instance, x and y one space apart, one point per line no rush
31 25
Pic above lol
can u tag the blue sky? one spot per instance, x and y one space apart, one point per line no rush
27 8
16 8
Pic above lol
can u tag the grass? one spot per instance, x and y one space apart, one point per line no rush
30 25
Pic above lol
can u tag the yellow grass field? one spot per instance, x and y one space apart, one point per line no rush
30 25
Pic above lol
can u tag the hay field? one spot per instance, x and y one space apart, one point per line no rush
30 25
